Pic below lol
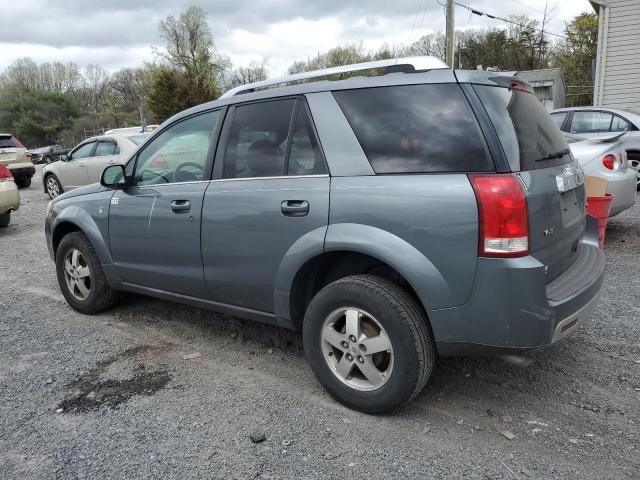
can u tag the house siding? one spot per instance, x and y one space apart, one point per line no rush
618 68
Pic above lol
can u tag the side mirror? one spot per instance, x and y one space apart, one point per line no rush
113 176
64 157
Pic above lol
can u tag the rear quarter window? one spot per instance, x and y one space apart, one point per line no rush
525 129
416 129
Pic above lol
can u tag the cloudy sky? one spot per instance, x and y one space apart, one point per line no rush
118 33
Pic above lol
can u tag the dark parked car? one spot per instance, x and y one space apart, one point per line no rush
47 154
390 217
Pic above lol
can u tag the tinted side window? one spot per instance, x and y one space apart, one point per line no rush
559 118
84 151
619 124
105 148
525 129
416 128
258 139
178 154
305 157
590 122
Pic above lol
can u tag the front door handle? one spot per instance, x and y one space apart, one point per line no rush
294 208
180 206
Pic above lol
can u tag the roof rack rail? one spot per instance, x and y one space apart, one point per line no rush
418 63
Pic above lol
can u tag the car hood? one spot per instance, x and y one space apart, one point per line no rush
84 190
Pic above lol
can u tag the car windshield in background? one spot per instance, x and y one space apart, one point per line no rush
530 137
416 128
138 139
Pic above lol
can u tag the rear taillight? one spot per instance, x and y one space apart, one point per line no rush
5 174
610 162
503 215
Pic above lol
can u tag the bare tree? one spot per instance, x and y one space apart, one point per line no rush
255 71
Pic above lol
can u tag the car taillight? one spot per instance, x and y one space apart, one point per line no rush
503 215
5 174
610 162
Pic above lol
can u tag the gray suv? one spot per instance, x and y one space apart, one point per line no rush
410 212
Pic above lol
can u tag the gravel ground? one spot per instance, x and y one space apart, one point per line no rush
113 395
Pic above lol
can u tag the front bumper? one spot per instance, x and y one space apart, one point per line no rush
512 309
9 197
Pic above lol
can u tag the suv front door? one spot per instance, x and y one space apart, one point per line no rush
271 189
154 225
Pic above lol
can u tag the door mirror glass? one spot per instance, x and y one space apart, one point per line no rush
64 157
113 176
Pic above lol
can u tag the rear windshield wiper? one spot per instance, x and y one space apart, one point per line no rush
554 155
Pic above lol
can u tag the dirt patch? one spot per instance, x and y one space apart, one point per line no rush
92 391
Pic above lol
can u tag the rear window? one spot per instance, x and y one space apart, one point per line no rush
7 142
416 129
526 130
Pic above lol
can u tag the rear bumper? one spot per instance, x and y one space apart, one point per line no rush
512 309
9 197
623 188
22 170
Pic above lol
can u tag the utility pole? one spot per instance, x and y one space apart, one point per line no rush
448 45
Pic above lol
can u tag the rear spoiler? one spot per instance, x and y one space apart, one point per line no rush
611 139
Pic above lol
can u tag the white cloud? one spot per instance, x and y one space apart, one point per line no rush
119 33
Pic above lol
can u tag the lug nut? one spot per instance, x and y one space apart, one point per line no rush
344 344
349 357
363 347
352 338
360 358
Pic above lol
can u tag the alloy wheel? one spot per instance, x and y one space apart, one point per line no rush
77 274
52 187
635 164
357 348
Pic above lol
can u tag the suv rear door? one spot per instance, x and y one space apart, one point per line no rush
270 189
554 184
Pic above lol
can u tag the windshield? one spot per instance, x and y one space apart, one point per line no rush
529 136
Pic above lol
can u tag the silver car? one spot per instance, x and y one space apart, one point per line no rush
606 158
594 122
85 163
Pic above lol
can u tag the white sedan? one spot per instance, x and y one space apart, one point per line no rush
85 163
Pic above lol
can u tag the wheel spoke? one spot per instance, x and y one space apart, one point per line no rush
353 323
74 258
370 371
82 288
67 266
83 272
343 369
333 337
379 343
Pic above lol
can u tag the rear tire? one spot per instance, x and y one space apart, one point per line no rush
80 275
5 218
400 345
23 182
634 162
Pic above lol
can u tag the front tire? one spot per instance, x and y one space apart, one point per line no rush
80 275
5 218
368 343
52 185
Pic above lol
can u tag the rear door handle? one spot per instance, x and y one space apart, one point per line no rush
179 206
294 208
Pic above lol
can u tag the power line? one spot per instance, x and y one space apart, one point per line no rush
495 17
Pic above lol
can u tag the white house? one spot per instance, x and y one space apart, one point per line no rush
617 72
